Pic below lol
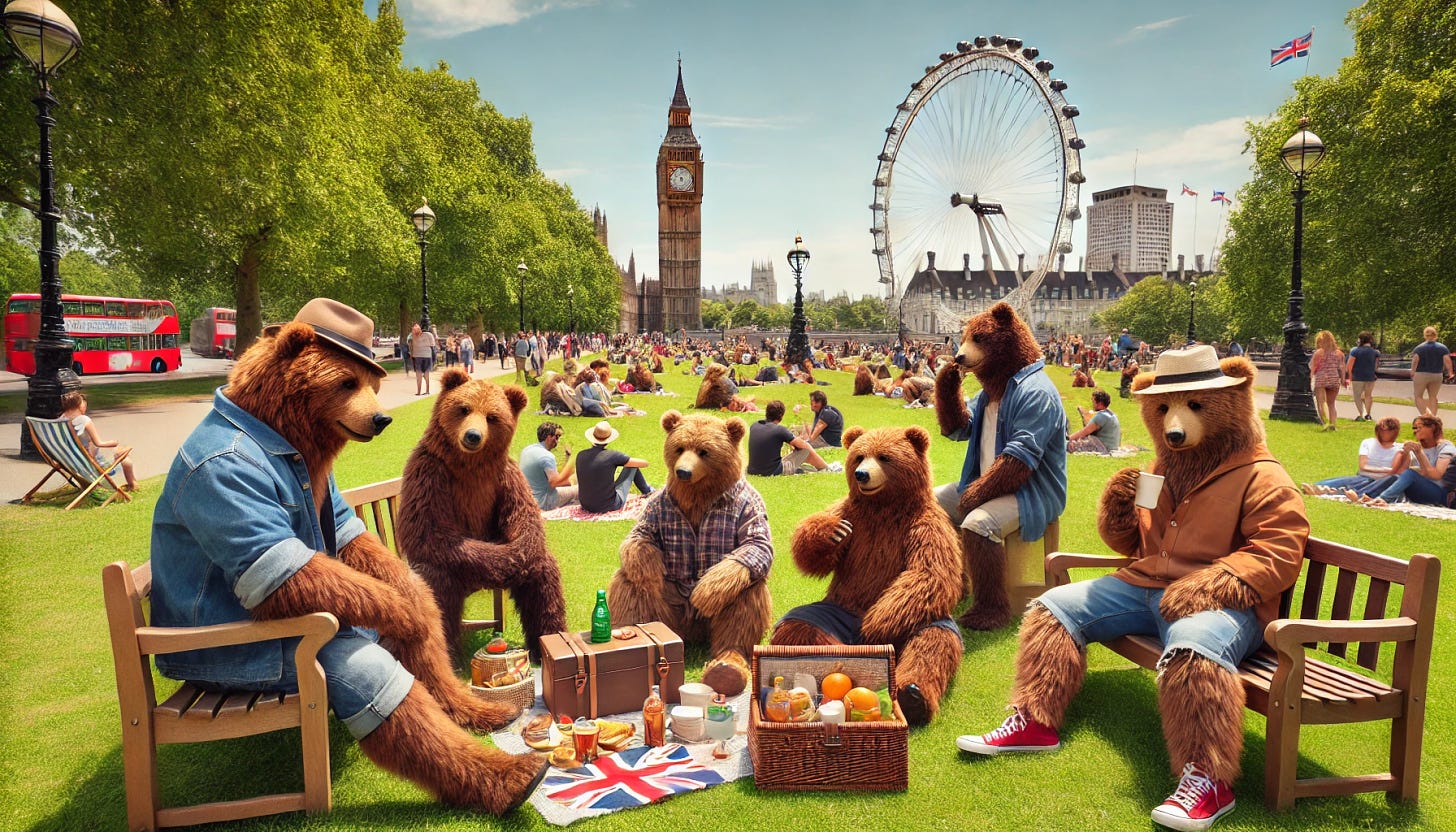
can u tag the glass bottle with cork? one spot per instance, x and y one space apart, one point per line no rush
654 719
601 620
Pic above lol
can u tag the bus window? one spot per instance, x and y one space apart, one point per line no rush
116 342
169 341
24 306
154 310
70 307
115 309
135 308
93 307
136 343
169 308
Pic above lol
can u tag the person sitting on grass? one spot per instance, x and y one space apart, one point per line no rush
767 436
827 428
1101 433
1381 461
73 408
552 488
1080 377
1422 481
600 488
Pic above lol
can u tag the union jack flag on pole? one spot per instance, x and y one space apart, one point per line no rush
1297 48
1187 191
1219 196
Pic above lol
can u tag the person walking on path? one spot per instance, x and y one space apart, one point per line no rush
1430 363
1360 370
467 353
522 352
1327 368
600 489
422 346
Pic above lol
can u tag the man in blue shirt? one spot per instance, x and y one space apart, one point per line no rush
1430 364
551 488
1360 369
1101 433
827 429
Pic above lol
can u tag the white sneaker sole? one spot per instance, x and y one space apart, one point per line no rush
1183 823
974 745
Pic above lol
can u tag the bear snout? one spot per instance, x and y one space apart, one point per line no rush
1175 437
381 421
862 475
685 474
472 439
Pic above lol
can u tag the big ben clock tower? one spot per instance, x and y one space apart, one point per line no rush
680 217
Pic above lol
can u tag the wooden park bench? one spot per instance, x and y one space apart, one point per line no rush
377 505
1291 689
195 715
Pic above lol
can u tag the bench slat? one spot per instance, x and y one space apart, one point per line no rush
1314 588
237 702
1375 603
206 705
1340 608
178 703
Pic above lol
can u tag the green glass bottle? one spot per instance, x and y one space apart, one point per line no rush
601 628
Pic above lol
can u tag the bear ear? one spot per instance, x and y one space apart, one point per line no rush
452 378
292 340
851 435
516 396
1238 367
1002 313
1142 380
919 439
736 429
670 420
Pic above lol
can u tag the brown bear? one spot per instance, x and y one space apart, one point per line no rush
699 557
864 381
250 525
717 392
1225 541
896 565
1015 473
467 518
641 378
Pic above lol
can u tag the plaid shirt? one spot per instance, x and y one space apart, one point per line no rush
736 526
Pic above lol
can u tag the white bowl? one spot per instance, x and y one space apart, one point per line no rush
695 694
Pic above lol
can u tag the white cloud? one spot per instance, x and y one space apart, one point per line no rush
742 122
457 17
562 174
1146 28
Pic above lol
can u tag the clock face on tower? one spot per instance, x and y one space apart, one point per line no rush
681 179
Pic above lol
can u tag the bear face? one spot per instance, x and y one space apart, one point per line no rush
312 393
472 416
887 463
1214 421
713 392
703 458
995 345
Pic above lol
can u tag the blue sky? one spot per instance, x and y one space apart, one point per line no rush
791 99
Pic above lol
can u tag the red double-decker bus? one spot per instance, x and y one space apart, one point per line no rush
111 335
214 332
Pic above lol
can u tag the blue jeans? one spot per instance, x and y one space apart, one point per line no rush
1359 483
1412 486
843 624
1108 607
365 682
626 478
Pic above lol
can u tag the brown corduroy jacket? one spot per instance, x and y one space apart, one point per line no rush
1247 517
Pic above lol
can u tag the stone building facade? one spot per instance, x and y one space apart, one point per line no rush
1134 222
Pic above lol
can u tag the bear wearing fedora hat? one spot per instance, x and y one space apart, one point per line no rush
251 526
1212 550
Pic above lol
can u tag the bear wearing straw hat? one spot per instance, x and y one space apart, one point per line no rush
250 525
1215 545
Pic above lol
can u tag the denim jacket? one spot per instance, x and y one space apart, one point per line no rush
1031 426
234 521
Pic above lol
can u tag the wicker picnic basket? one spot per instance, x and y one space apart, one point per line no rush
484 665
521 694
815 756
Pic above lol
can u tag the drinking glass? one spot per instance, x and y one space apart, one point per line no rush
722 725
584 734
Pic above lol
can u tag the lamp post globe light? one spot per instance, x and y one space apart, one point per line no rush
521 293
45 36
1293 400
424 219
1192 294
798 348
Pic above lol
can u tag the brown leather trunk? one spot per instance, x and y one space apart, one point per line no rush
579 678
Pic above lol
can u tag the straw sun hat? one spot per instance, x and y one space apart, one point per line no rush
1194 368
602 433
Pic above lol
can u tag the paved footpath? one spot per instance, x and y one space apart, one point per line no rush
155 431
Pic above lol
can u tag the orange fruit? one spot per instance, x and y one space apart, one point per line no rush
861 699
835 686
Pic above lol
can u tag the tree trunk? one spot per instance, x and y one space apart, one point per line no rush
247 297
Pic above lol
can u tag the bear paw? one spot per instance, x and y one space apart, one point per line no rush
727 674
984 617
914 705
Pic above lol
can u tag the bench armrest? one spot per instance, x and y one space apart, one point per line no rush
1289 635
1058 564
316 628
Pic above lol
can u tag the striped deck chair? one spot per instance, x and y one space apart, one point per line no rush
62 450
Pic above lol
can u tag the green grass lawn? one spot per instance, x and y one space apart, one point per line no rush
60 740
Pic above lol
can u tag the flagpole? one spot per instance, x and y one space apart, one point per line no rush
1195 232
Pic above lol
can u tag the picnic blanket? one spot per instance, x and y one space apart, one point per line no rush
1118 453
632 778
1413 509
630 511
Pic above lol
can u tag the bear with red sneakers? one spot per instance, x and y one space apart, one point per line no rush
250 526
1210 563
1015 474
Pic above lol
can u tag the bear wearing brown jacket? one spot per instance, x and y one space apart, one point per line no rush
317 391
1014 481
896 565
699 557
467 519
1210 563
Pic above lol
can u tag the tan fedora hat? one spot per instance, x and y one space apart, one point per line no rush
341 325
602 433
1194 368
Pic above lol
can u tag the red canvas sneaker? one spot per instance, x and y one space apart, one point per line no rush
1017 733
1196 804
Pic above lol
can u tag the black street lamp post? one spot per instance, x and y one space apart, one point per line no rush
423 219
46 38
571 310
1293 400
521 293
798 347
1192 294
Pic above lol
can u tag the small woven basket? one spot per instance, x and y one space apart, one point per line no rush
522 694
485 665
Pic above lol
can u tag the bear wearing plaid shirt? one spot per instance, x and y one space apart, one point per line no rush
699 557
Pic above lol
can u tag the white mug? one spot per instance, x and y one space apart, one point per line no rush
1148 487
